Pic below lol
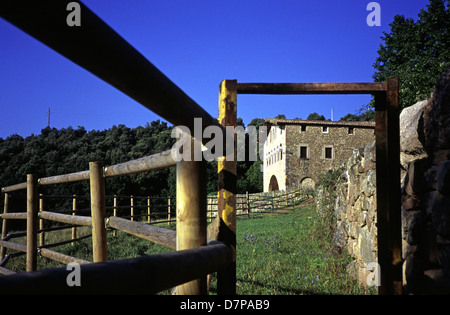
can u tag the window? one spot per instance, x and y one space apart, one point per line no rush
303 152
324 129
328 153
351 130
302 128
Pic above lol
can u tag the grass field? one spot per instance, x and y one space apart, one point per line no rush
286 254
282 253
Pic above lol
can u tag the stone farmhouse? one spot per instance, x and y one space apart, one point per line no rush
296 151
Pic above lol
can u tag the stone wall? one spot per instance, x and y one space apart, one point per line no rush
425 197
338 138
354 205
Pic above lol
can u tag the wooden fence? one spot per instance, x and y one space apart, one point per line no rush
121 218
98 221
97 48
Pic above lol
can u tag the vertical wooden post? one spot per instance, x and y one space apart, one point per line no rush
191 214
115 213
98 211
41 221
132 207
168 210
287 195
226 199
388 189
32 222
273 197
74 212
248 203
149 220
4 226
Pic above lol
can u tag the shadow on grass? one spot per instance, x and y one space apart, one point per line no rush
281 289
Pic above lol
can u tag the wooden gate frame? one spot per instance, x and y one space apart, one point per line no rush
387 136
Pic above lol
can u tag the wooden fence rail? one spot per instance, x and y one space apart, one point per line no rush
97 173
97 48
142 275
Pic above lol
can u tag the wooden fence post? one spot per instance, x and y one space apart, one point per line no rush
4 226
98 211
32 222
115 212
248 203
388 189
168 209
132 207
74 212
191 214
41 221
149 220
273 196
226 199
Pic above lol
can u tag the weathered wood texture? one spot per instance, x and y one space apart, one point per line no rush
14 246
158 235
149 163
64 259
32 222
98 212
66 178
66 218
124 67
191 213
226 199
310 88
141 275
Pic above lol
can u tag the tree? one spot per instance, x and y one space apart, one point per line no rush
315 116
350 117
417 52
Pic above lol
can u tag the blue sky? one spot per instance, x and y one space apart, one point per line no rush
197 44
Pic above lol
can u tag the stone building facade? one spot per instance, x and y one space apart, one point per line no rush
296 151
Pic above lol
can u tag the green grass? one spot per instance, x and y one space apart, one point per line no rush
277 254
286 254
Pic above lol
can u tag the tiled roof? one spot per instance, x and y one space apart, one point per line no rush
364 124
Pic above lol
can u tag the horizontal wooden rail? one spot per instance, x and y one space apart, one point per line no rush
14 215
152 233
66 178
6 272
14 246
64 259
149 163
311 88
66 218
14 187
141 275
97 48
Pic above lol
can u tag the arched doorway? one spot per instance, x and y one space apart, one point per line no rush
273 184
307 184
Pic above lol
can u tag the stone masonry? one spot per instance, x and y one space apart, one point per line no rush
296 152
425 198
